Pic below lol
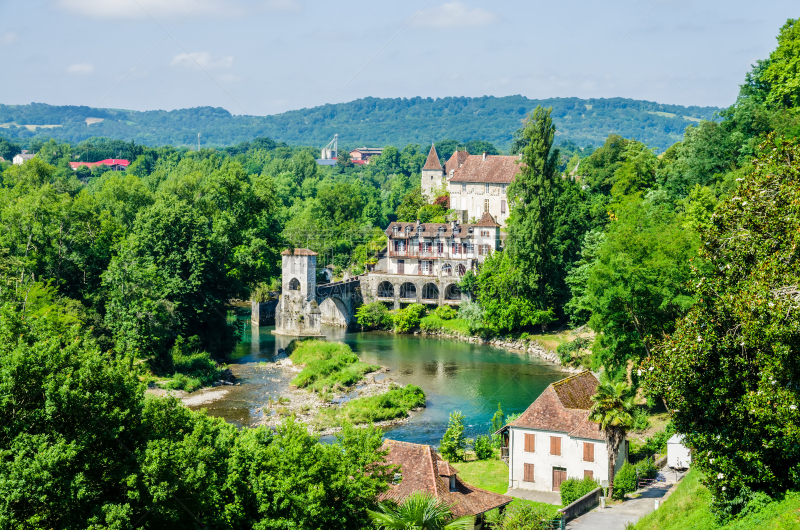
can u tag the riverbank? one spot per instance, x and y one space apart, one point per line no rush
518 345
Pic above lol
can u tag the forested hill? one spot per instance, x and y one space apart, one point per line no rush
368 121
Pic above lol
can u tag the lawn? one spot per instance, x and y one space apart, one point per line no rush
490 475
456 326
688 509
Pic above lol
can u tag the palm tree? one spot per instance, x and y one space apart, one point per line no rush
419 511
612 408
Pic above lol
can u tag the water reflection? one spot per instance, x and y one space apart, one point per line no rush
455 375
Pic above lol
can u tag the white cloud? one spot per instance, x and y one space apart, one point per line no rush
127 9
202 60
81 68
8 37
455 15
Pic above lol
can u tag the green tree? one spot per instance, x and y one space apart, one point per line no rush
779 76
637 285
418 511
409 208
727 374
533 197
612 408
454 443
499 419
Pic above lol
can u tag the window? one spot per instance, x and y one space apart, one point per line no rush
503 206
395 228
440 247
504 188
588 473
484 233
456 249
486 189
588 452
528 476
530 443
463 188
555 445
485 250
485 205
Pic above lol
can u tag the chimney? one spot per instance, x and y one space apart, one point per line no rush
484 155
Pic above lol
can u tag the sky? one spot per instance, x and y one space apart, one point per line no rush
269 56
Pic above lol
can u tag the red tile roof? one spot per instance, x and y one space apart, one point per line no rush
494 168
422 469
433 160
487 220
455 161
299 252
428 230
106 162
564 407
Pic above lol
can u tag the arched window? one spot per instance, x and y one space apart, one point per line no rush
385 290
447 269
294 285
430 292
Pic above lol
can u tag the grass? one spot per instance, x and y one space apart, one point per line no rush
434 323
688 509
388 406
328 366
490 475
192 371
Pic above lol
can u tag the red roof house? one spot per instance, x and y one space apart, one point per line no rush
114 164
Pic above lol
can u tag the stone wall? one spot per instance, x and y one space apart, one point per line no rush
447 287
263 313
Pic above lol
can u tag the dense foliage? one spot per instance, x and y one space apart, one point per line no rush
368 121
573 489
729 372
81 447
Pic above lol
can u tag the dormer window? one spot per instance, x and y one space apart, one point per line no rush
398 477
395 228
452 483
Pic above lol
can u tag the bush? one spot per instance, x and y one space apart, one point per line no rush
454 443
371 409
483 447
374 315
625 481
573 489
445 312
566 350
522 516
405 320
641 421
646 468
327 365
193 369
472 314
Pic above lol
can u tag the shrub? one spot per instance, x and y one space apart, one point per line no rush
646 468
641 421
371 409
566 350
374 315
472 313
193 369
405 320
522 516
454 443
327 365
483 447
445 312
573 489
625 481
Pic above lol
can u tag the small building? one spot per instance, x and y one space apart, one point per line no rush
423 469
114 164
363 154
554 438
21 158
678 455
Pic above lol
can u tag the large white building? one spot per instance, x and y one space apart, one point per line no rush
554 439
477 184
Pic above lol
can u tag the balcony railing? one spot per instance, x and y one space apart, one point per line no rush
446 254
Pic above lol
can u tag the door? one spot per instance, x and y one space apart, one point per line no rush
401 266
559 476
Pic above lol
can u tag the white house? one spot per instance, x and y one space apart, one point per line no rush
678 455
554 439
21 158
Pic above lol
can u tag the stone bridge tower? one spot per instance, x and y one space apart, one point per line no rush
298 313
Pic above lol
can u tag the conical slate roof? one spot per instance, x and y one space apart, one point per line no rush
433 160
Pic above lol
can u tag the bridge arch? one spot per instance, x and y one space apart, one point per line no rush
408 290
385 290
430 292
334 312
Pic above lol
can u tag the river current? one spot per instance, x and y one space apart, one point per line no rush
455 375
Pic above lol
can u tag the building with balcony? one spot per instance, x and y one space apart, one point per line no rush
424 262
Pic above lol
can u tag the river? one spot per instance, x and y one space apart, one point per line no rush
455 375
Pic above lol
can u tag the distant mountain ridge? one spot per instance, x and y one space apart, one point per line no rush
367 121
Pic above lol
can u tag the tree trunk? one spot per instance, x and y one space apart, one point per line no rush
612 442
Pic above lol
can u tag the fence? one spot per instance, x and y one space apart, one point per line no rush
582 505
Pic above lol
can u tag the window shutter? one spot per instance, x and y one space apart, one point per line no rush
588 473
588 452
528 476
555 445
530 443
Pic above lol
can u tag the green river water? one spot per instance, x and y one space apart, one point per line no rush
455 375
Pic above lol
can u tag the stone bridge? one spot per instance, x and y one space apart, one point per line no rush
338 301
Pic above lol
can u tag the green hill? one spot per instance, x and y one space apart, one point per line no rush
368 121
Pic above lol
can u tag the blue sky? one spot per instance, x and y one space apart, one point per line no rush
268 56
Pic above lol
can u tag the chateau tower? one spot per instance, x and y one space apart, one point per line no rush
433 176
